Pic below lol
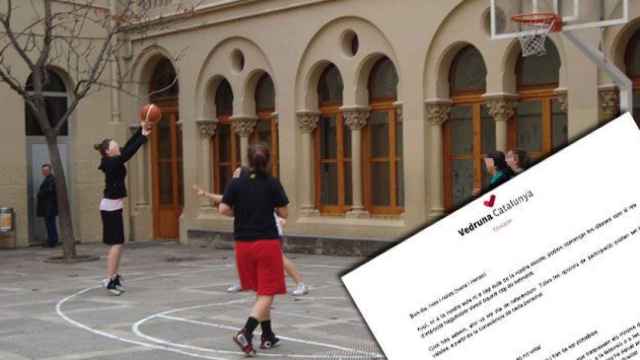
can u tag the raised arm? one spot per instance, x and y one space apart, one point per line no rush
138 139
216 198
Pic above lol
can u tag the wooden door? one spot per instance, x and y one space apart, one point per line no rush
168 188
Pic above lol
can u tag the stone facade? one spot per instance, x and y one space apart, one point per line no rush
420 45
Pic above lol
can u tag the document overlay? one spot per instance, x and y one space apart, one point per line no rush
544 267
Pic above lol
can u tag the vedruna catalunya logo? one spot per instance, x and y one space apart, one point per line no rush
496 211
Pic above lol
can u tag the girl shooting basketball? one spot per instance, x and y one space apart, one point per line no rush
112 203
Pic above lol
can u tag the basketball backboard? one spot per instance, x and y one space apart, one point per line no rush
575 14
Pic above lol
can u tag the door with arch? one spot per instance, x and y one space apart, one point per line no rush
166 153
168 187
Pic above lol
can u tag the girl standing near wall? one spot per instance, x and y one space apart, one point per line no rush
111 205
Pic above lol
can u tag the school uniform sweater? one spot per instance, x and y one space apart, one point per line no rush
114 169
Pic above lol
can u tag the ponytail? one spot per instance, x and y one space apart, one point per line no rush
102 147
259 157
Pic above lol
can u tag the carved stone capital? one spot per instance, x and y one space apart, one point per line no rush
356 118
438 112
307 120
563 99
501 109
243 125
275 117
207 128
609 103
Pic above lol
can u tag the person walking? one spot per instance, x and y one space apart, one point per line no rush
111 205
252 201
47 206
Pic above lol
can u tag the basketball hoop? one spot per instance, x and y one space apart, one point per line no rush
535 29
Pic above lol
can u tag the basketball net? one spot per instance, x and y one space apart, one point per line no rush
536 27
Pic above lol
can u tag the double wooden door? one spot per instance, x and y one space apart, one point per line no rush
168 186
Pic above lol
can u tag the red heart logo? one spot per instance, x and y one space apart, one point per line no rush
490 202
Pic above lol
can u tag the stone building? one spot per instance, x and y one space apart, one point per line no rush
378 113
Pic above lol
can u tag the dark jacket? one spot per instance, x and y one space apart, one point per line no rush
114 170
47 199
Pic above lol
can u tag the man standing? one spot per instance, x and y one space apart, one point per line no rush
48 204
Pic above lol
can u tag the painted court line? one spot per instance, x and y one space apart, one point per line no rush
166 315
119 338
193 351
138 332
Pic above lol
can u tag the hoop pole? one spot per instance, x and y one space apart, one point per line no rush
621 79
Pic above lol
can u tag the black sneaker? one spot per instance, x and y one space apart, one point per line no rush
113 289
244 342
269 342
118 283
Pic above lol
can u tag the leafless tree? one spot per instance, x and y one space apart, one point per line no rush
84 38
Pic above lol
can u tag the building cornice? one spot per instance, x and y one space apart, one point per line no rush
220 7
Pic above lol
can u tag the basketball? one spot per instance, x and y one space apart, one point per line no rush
150 113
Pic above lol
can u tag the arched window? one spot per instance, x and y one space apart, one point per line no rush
332 147
383 173
164 82
470 132
540 125
226 144
632 59
56 101
267 127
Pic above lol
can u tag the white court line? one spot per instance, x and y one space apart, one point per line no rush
165 315
17 290
175 347
363 355
119 338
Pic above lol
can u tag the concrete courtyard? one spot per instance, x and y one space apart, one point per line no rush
175 307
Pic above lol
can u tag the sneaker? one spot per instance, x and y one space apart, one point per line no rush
300 290
118 282
234 288
111 287
269 342
244 342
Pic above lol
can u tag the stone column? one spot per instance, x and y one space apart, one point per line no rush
244 126
307 121
501 108
207 129
437 112
609 103
356 119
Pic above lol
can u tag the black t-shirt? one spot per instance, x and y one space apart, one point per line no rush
254 198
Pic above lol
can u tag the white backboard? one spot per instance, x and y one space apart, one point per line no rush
575 14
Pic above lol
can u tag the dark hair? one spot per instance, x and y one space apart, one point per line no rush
499 161
102 147
523 158
46 165
259 156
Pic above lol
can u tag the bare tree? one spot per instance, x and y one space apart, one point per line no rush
84 39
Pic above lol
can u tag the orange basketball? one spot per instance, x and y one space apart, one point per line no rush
150 113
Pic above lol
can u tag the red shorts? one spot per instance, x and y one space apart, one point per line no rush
260 266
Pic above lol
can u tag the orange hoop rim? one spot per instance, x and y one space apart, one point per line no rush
543 18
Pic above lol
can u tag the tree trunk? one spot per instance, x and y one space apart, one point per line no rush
64 209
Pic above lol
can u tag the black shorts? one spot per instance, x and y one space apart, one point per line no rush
112 227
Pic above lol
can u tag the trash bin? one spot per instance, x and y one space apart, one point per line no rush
7 235
6 220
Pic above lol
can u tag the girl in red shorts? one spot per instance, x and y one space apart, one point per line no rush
252 200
